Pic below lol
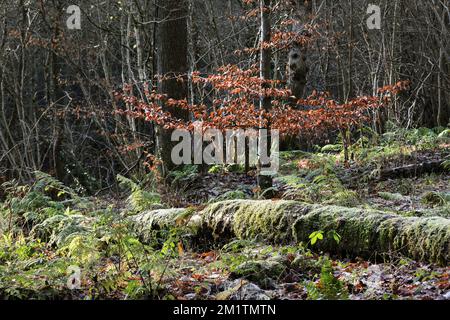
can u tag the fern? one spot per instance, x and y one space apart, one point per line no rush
60 229
185 177
83 249
139 199
45 198
331 287
446 165
435 198
46 183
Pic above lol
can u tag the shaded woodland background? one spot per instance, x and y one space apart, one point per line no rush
57 86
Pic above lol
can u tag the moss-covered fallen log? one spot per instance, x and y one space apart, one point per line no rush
364 232
412 170
147 224
372 233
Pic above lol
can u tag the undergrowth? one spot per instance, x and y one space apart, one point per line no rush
47 229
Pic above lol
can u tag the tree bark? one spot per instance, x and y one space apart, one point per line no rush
265 181
172 67
297 65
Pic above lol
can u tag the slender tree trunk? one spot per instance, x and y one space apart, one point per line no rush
442 116
350 55
265 181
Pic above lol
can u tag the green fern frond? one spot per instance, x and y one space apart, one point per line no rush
139 199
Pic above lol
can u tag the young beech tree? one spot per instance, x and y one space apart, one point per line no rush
236 94
245 96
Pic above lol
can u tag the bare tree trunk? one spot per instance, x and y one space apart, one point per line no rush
297 65
442 115
57 98
173 67
350 55
265 181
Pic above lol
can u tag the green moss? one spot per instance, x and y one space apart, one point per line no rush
390 196
218 217
364 232
369 233
351 224
247 219
332 148
145 224
259 271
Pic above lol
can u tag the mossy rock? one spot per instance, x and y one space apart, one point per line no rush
259 271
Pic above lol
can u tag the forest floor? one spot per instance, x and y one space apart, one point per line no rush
48 227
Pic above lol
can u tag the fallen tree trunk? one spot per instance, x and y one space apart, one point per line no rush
413 170
406 171
366 233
